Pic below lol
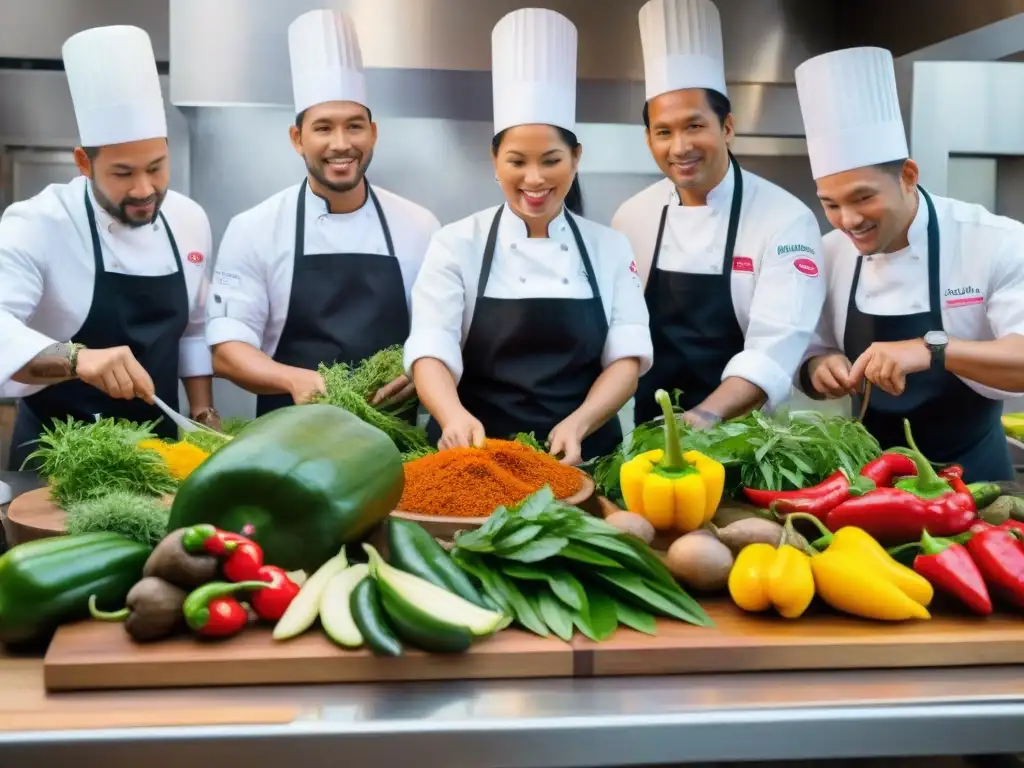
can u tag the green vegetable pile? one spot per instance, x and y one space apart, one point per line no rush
211 441
780 451
555 568
131 515
353 388
87 460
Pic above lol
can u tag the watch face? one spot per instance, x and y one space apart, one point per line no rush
936 338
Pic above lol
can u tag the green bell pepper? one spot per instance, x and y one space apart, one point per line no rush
306 478
47 582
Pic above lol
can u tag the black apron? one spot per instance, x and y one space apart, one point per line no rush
529 363
343 308
693 323
147 314
951 422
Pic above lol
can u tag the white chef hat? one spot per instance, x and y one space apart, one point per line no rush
851 110
326 61
114 85
533 69
682 42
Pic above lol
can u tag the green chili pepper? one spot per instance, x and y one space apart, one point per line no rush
212 610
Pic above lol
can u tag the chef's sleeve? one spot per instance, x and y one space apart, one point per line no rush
22 246
238 304
1005 304
629 332
786 306
194 358
438 302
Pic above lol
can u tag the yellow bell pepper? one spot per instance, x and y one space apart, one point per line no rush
857 576
764 577
673 490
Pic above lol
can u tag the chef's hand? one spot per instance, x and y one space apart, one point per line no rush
463 431
886 364
208 417
567 439
395 391
698 418
116 372
304 384
830 375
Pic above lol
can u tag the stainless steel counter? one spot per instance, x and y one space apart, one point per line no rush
555 723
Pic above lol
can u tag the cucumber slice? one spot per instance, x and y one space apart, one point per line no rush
419 628
442 604
336 609
368 615
304 609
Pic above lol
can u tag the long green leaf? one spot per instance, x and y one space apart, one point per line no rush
555 615
584 555
523 609
522 571
599 622
484 575
644 595
537 550
524 535
536 504
568 589
635 618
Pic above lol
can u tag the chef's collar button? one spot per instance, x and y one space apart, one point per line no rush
565 247
565 281
512 246
522 279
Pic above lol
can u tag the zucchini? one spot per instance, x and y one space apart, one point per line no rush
336 606
419 627
305 607
48 582
443 605
415 551
369 617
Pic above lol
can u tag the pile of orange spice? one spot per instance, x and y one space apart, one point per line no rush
472 482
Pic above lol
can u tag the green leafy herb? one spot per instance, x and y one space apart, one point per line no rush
139 518
530 439
86 460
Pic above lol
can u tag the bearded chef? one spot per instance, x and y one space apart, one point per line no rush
925 293
730 262
322 271
102 280
527 317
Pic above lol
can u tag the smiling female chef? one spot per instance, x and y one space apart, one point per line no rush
526 317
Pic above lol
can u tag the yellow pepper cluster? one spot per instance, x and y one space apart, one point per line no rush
674 491
854 574
181 458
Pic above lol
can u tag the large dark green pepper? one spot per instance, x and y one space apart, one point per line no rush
306 478
48 582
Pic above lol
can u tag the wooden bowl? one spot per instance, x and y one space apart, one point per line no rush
444 527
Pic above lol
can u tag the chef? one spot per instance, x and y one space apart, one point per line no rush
925 293
730 262
526 317
102 280
322 271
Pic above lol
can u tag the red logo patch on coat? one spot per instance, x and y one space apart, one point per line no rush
742 264
806 267
195 257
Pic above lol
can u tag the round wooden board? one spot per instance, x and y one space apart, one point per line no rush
445 527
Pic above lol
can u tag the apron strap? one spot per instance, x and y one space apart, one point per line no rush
588 266
97 247
383 220
492 241
300 220
934 263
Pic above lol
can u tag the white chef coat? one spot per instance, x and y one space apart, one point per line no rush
47 272
444 296
981 281
777 305
252 278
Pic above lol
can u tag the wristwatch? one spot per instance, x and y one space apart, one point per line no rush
936 342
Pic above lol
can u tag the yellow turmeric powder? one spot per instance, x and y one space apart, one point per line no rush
181 457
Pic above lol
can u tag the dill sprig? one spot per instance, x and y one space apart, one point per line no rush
136 517
86 460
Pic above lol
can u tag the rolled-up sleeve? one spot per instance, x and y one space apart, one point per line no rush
1005 304
784 313
194 358
238 304
629 331
21 288
438 302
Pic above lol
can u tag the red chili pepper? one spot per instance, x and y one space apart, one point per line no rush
1000 558
950 568
816 500
271 603
206 539
887 467
212 611
244 562
953 470
925 502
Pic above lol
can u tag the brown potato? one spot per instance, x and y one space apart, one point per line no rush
700 561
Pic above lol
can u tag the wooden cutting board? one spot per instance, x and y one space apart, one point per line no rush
93 655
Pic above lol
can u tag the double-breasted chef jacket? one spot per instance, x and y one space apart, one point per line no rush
774 288
980 295
449 289
48 276
251 295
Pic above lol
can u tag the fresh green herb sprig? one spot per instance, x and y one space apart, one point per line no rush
86 460
139 518
780 451
556 569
